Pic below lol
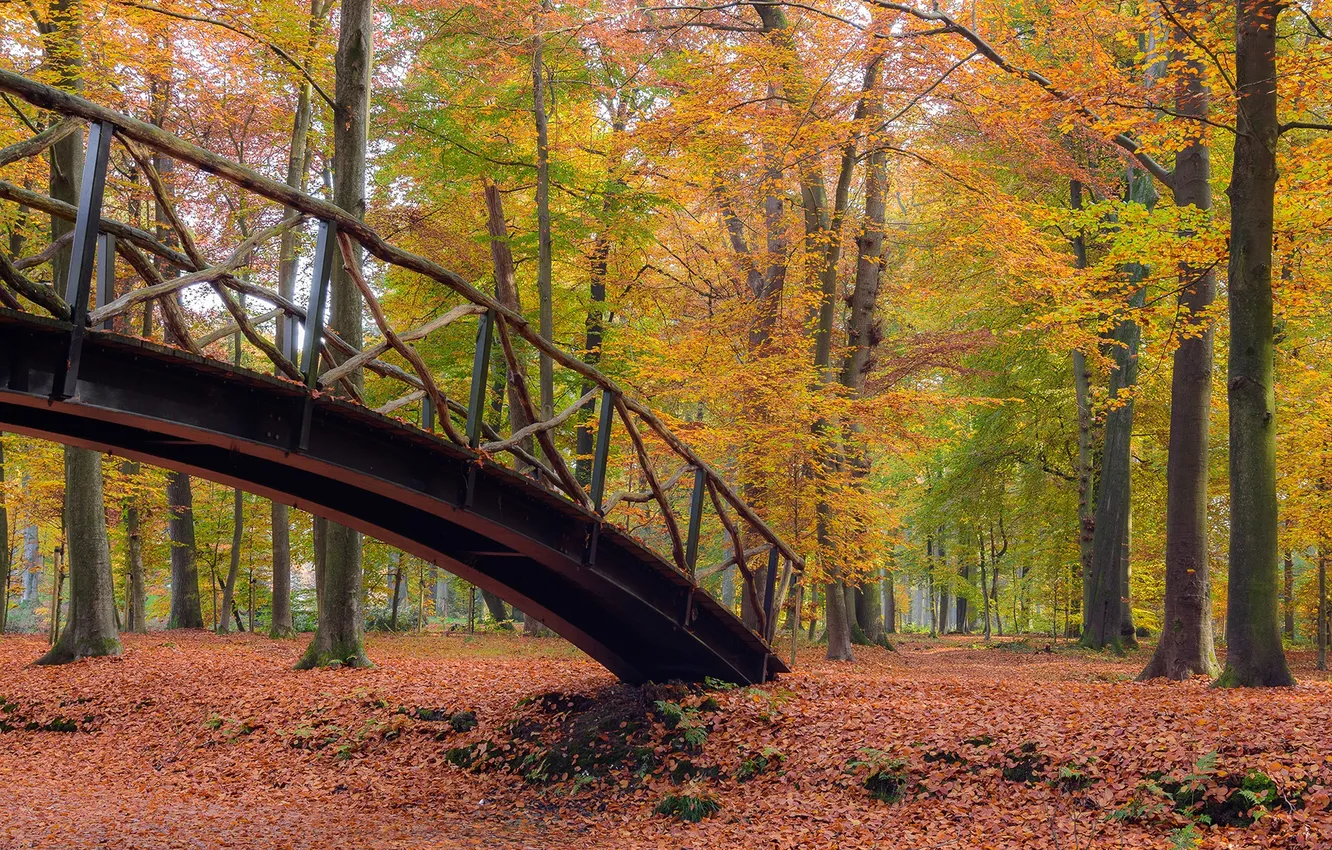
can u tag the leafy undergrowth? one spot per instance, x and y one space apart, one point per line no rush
196 740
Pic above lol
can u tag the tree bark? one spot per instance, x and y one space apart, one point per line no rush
186 610
298 166
6 566
340 636
233 569
1105 619
136 619
545 296
1254 655
1288 594
1187 647
1321 662
91 630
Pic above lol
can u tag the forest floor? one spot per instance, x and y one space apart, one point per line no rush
195 740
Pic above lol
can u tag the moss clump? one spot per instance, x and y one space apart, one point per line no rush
1026 765
687 807
463 721
757 764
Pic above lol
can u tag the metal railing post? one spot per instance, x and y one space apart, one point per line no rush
476 399
427 414
314 312
314 326
106 274
601 453
769 592
78 286
695 518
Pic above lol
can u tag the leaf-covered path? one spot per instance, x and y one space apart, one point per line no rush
193 740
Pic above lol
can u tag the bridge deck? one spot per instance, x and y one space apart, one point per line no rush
629 608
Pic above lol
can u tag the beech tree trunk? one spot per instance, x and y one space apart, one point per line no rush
1254 655
6 565
1187 647
1106 619
91 628
1288 594
136 618
233 569
1321 662
186 609
340 636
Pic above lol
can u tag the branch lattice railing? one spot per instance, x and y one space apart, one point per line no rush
326 362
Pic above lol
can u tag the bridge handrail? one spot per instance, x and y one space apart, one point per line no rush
346 228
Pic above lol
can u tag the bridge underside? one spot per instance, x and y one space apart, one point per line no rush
628 608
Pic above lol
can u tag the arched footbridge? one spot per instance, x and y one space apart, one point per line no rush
512 511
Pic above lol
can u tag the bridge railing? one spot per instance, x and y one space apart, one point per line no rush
632 446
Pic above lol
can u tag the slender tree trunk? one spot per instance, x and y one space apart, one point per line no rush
340 636
298 166
397 592
233 570
1104 618
544 294
136 619
6 565
1082 392
1254 655
1288 594
1323 635
985 586
890 604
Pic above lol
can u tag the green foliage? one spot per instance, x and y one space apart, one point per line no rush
886 776
756 764
687 807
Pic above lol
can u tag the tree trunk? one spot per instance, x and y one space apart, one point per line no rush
544 295
1254 655
233 569
839 623
498 612
6 566
1288 594
340 636
298 166
186 610
1187 647
1126 629
890 604
91 630
1104 617
397 592
136 618
963 625
1322 608
985 586
1082 392
869 611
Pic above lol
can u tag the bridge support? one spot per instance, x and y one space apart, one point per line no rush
314 326
78 287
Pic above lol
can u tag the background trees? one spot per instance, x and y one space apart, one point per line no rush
836 244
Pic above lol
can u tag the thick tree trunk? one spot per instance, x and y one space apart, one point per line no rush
839 623
890 604
186 609
1187 647
1254 655
869 611
340 637
281 541
498 611
91 630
